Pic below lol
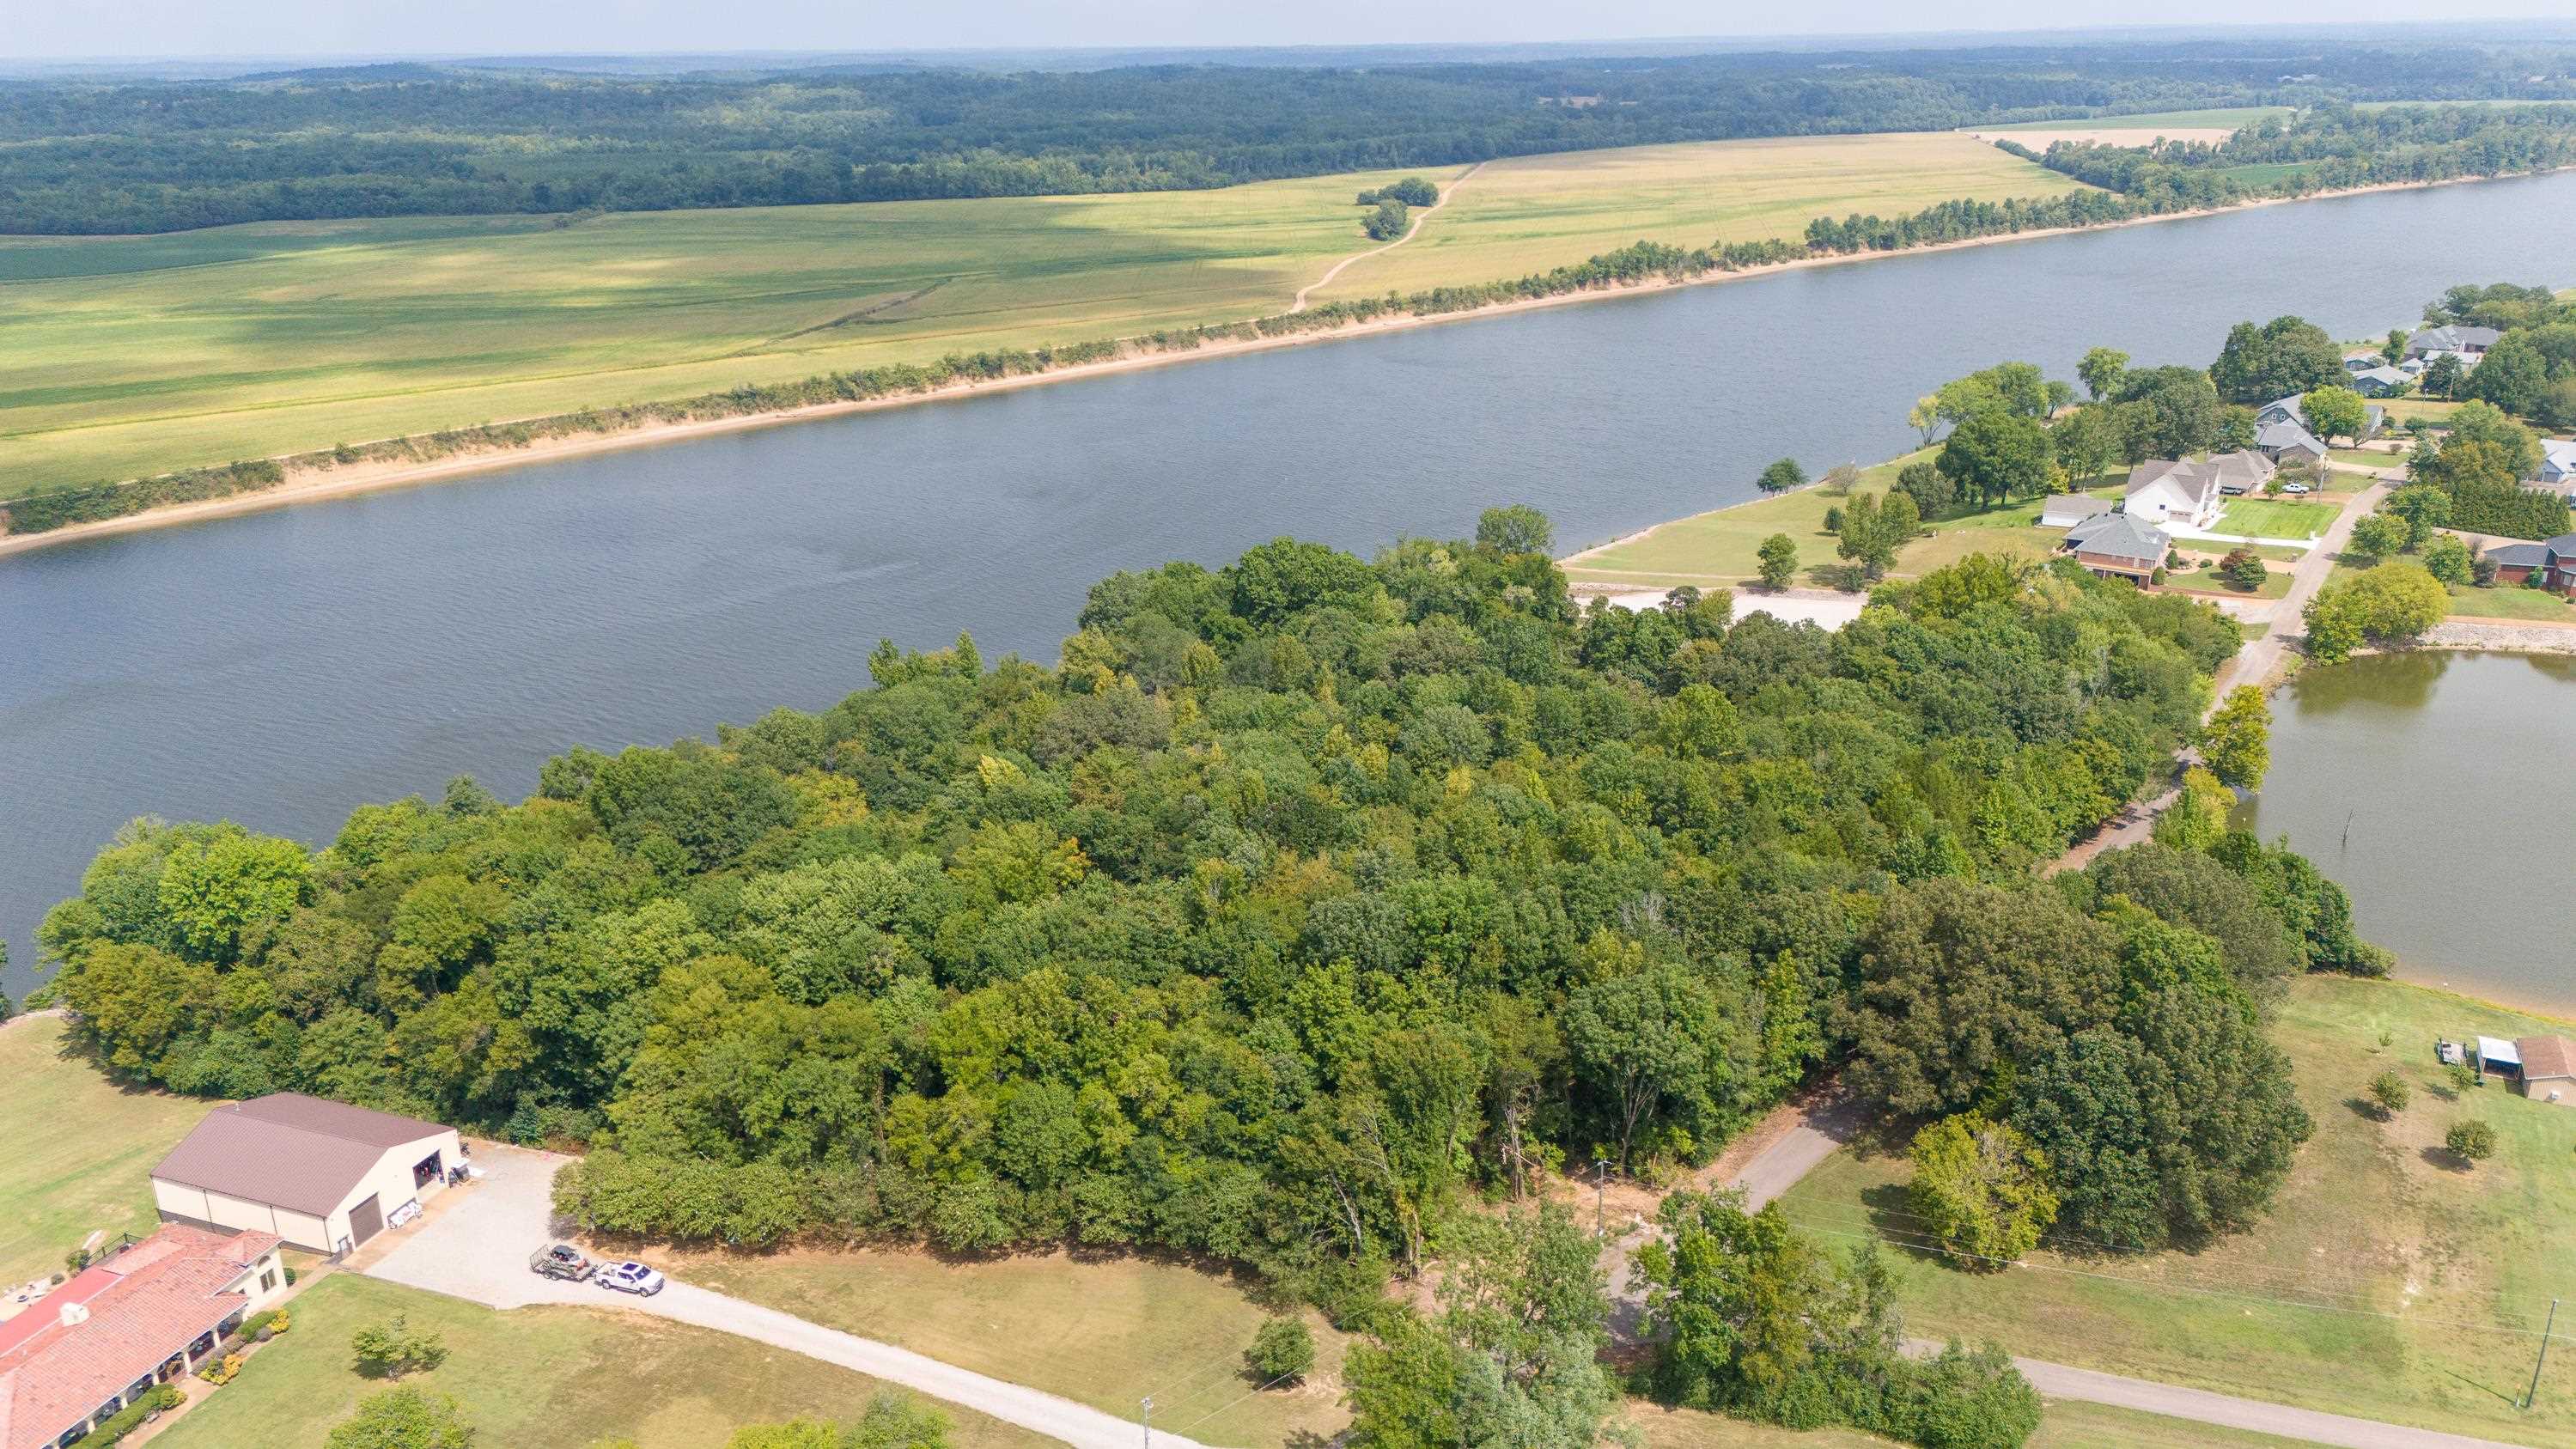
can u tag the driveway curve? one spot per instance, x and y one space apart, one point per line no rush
475 1241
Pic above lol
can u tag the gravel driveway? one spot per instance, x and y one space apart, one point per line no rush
476 1245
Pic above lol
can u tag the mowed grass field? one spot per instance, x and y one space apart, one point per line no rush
1723 546
78 1153
2389 1281
1529 213
541 1378
1101 1331
126 356
2064 1425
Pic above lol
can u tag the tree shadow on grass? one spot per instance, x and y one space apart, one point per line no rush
2447 1160
2368 1110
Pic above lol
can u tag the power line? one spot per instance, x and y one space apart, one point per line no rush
1221 1408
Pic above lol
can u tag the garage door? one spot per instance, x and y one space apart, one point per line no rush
366 1220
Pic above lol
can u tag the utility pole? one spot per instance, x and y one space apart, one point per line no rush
1601 1197
2534 1391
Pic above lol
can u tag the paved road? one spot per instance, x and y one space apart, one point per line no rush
2057 1381
475 1242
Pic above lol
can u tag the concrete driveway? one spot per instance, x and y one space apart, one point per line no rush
475 1241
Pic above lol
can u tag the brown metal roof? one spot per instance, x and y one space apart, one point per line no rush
2546 1056
288 1150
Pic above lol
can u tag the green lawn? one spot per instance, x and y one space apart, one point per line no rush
2507 602
2428 1280
2273 518
2276 584
78 1151
1103 1331
122 356
1721 546
540 1378
2367 458
2066 1425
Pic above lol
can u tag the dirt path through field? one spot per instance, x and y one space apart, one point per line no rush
1410 233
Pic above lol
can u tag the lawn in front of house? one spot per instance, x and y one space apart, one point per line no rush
78 1153
1104 1331
540 1378
2275 518
1723 546
2508 601
2389 1281
2276 584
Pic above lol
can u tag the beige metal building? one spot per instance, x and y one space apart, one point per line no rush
323 1176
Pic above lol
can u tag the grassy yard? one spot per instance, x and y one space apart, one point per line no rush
1721 546
540 1378
128 355
2372 458
2276 584
2065 1426
2272 518
1528 213
2426 1280
1105 1331
79 1151
2507 602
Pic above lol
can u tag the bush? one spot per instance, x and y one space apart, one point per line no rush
2244 568
2390 1091
391 1350
125 1421
1283 1349
2472 1139
1964 1400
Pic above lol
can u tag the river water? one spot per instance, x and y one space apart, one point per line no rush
2436 788
278 668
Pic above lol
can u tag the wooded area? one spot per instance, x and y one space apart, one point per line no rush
85 156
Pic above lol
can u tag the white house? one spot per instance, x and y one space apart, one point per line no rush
323 1176
2188 494
2557 462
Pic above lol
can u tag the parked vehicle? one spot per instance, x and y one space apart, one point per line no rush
561 1260
2296 488
632 1278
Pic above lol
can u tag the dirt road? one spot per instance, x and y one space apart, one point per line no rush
1410 232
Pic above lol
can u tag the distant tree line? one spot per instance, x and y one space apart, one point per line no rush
89 156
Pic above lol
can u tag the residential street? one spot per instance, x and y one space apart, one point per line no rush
475 1241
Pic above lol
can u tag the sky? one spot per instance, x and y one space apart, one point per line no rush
34 29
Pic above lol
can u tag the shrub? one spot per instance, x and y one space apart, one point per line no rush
2471 1139
2244 568
393 1349
1964 1400
130 1418
1283 1349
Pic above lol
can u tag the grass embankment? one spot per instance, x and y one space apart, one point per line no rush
540 1378
78 1153
2430 1278
1721 547
1528 213
1104 1332
128 356
2066 1425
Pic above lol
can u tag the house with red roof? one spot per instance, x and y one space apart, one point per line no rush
143 1316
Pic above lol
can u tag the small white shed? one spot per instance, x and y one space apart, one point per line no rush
324 1176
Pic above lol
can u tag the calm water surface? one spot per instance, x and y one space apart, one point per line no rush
281 667
2436 787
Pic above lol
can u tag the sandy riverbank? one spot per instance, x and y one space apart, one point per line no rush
316 484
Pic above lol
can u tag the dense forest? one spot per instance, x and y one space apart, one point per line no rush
1303 899
2332 147
89 156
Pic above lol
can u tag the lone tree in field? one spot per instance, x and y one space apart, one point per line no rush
1782 476
1982 1189
1283 1349
1779 554
391 1350
2392 1094
2471 1140
403 1419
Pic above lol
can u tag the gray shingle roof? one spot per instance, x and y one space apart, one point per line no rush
2117 535
296 1152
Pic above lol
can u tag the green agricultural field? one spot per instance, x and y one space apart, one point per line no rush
540 1378
123 356
1720 546
2227 118
2389 1281
78 1152
2270 518
1529 213
1102 1331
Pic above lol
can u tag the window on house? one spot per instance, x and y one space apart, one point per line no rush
268 1280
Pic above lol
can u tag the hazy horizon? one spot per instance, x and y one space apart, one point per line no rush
168 30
